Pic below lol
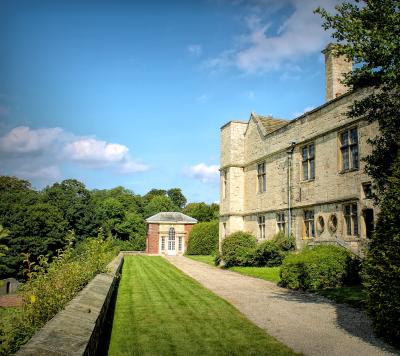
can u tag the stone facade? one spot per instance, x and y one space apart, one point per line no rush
312 164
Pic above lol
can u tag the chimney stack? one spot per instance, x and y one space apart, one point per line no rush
335 67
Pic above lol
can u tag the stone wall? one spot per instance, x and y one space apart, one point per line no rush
325 194
77 329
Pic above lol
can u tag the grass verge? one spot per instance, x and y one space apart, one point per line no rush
202 258
161 311
268 273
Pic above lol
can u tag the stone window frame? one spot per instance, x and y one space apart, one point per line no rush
180 243
261 177
351 221
261 226
349 153
308 161
224 176
309 224
281 221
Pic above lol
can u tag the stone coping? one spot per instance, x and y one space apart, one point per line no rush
77 329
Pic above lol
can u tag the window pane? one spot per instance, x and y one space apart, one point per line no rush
354 209
344 138
305 153
312 169
345 158
264 183
355 224
311 151
305 170
348 225
347 210
354 135
354 156
312 229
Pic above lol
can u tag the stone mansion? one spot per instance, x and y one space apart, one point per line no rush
304 176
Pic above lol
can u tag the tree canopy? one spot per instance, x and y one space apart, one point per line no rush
369 35
38 222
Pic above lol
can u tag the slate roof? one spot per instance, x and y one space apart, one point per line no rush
171 217
270 123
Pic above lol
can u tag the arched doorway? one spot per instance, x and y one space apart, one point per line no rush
171 242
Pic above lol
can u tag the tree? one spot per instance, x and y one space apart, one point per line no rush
175 194
76 205
202 211
158 204
38 229
369 35
382 265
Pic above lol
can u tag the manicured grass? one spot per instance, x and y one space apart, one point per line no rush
268 273
161 311
354 296
202 258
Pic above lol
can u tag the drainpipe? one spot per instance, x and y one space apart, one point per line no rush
289 187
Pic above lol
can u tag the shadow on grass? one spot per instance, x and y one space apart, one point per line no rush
105 337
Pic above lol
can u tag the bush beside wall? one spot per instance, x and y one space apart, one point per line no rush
203 239
237 249
318 268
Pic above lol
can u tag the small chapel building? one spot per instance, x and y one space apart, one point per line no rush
168 233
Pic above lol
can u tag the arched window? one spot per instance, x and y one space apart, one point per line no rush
171 233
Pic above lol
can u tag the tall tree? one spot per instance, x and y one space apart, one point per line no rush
177 197
75 203
369 35
202 211
157 204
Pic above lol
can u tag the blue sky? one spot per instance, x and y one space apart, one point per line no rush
134 93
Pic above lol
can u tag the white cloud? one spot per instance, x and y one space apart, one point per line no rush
260 50
306 109
195 49
250 95
205 173
94 151
202 98
22 139
39 153
46 173
131 166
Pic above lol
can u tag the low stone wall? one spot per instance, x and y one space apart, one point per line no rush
76 330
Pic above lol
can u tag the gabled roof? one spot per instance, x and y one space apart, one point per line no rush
171 217
267 124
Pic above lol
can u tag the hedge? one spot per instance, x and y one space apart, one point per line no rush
237 248
203 239
318 268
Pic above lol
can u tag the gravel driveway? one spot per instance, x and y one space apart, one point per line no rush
307 323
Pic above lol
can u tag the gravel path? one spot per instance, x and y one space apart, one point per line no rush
307 323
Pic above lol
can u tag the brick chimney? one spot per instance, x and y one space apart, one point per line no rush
335 67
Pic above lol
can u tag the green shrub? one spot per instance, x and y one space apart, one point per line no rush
132 244
203 239
51 285
237 249
284 242
318 268
382 264
267 253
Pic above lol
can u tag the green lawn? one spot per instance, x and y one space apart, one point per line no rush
161 311
354 296
268 273
202 258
